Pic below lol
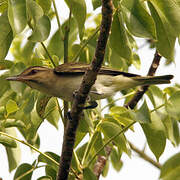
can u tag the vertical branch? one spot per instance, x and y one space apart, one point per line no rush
82 93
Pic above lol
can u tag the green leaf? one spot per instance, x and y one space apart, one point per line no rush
116 160
169 13
22 170
54 156
41 30
11 107
96 4
109 130
52 112
41 104
3 5
17 15
118 38
13 154
154 132
45 5
78 9
6 37
45 178
173 104
8 142
88 174
34 11
165 36
142 115
156 96
13 123
5 64
95 143
138 20
50 172
171 168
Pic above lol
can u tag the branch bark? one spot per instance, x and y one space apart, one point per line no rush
145 156
80 98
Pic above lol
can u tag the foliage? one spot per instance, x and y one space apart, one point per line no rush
25 109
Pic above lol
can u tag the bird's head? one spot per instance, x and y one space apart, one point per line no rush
36 77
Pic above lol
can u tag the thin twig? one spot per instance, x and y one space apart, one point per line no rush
85 44
81 95
145 156
29 145
133 102
48 54
58 21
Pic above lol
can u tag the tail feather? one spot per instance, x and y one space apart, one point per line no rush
148 80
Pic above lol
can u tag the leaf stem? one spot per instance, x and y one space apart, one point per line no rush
85 44
29 145
58 20
48 54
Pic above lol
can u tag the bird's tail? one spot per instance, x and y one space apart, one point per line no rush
149 80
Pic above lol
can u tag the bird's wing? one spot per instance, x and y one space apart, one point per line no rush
78 68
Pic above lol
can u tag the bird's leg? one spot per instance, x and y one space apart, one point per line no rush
92 105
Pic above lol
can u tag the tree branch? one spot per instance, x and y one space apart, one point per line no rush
133 102
145 156
80 98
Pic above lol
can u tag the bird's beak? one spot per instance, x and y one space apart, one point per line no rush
15 78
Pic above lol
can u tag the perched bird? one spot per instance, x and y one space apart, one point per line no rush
65 79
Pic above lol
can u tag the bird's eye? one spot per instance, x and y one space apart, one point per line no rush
33 71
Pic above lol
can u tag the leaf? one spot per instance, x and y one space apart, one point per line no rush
11 107
116 160
138 20
54 156
94 140
50 172
3 5
155 136
6 37
45 178
45 5
5 64
13 154
165 36
41 30
13 123
17 15
169 13
78 9
41 104
173 104
88 174
171 168
118 38
52 112
8 142
22 170
96 4
142 115
109 130
34 11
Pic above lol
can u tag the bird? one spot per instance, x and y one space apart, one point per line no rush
63 80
